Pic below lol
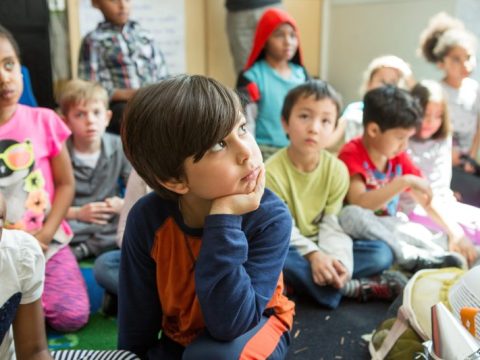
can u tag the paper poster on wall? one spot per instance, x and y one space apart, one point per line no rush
469 12
163 18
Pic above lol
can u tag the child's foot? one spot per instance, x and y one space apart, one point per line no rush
438 262
81 252
386 286
110 304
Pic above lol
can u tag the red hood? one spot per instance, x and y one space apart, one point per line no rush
270 20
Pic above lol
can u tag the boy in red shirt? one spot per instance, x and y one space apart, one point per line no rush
380 171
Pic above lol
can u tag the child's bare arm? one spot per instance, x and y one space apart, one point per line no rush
456 236
122 94
476 142
376 199
29 332
64 191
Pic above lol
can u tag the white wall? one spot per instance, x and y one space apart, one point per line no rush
360 30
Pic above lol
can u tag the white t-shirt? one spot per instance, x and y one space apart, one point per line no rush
22 272
89 160
464 110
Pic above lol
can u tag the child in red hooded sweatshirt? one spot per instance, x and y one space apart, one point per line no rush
273 68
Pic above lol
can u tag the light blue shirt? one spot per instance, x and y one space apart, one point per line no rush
273 89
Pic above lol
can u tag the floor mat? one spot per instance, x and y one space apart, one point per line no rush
99 334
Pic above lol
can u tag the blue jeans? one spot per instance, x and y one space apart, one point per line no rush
106 270
370 257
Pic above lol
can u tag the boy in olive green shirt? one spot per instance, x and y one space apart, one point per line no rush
323 261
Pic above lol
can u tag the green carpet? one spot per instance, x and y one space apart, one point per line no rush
99 334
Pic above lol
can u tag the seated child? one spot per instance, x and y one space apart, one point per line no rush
120 55
22 325
313 183
99 167
205 252
382 70
431 150
107 265
37 182
274 67
380 171
452 48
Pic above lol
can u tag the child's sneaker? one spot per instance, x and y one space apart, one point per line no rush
439 261
109 304
386 286
81 252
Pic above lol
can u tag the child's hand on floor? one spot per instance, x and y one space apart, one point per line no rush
239 204
95 212
327 270
463 246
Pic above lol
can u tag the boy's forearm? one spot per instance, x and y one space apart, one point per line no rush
453 230
376 199
235 278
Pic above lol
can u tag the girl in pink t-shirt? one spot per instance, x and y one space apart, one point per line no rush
37 181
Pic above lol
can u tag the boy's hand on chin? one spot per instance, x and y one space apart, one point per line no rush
239 204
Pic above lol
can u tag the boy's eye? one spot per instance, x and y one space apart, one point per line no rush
242 129
9 65
327 121
218 146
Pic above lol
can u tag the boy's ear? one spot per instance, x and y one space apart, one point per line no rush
108 117
372 129
285 125
176 185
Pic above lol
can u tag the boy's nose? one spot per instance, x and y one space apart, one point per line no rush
243 152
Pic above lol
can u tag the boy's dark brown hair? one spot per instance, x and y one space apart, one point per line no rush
168 122
429 90
390 107
318 88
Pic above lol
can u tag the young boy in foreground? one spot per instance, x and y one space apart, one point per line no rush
202 255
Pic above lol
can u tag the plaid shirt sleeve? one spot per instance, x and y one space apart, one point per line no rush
91 65
161 71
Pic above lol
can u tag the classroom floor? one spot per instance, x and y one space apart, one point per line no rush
319 333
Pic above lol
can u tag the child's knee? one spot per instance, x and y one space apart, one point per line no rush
382 257
67 319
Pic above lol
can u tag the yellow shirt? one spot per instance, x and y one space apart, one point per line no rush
308 195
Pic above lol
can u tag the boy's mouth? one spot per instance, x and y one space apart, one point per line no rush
252 175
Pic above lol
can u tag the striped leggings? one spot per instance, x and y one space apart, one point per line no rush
93 355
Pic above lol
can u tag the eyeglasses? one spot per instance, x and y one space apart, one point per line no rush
18 156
